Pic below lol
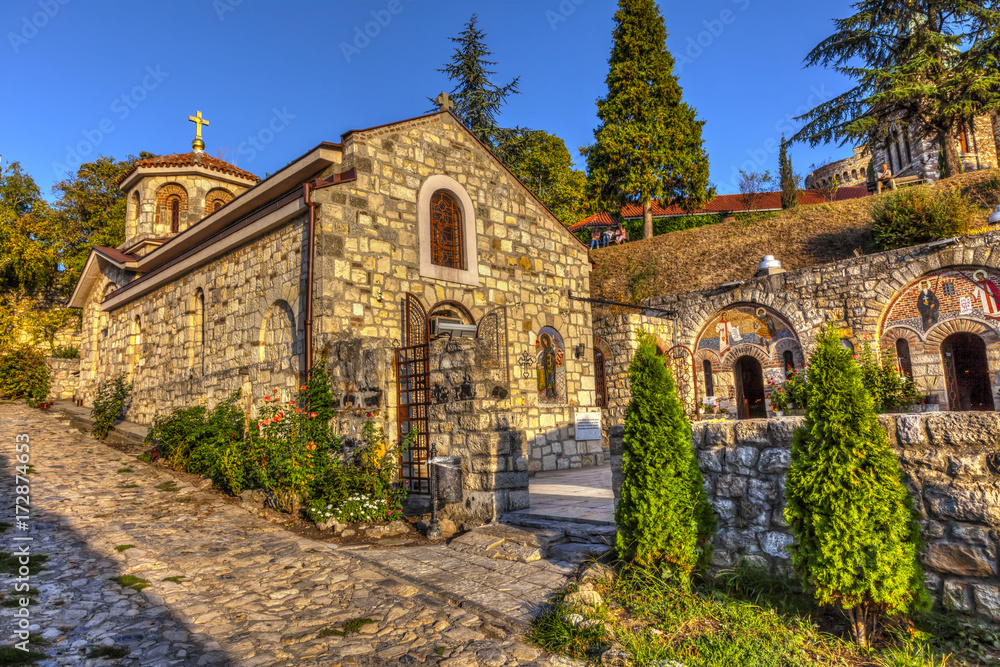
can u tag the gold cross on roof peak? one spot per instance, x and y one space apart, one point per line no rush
198 144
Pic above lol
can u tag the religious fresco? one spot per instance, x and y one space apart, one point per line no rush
550 368
740 325
949 294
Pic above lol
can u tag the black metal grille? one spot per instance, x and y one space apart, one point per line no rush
601 379
413 400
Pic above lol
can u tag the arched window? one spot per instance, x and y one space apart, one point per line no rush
601 379
175 214
903 357
218 204
709 380
854 174
197 350
789 360
446 231
135 344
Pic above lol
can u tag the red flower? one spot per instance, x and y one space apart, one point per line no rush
298 411
281 415
233 435
267 398
368 415
303 387
312 415
274 391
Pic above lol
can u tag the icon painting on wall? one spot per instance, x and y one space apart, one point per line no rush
549 366
744 324
952 293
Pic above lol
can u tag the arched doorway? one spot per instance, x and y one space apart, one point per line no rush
967 372
748 377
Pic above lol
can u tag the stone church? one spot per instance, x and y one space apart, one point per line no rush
442 294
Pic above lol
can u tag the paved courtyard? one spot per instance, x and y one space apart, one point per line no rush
583 495
229 588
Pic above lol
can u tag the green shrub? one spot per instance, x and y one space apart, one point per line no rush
919 215
211 443
856 534
664 519
109 405
667 225
66 352
796 388
24 374
366 487
889 389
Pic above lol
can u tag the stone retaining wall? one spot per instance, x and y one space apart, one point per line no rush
951 463
65 378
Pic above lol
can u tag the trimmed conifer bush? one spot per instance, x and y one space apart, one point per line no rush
664 519
856 534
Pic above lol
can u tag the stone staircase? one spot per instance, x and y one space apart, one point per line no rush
525 538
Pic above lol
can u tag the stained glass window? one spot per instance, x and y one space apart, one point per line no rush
446 231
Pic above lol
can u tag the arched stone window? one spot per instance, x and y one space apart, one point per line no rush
446 221
175 214
135 346
854 174
280 345
788 357
709 379
171 209
216 199
133 214
196 352
600 379
446 231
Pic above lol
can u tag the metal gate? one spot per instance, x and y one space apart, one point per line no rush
413 401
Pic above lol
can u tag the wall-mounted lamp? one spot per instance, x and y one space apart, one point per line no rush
581 350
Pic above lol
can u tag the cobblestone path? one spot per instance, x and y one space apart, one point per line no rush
229 588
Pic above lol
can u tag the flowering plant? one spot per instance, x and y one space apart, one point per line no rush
779 399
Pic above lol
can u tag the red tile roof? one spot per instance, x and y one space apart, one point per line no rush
601 219
115 254
769 201
190 160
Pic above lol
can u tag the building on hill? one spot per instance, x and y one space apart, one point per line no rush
849 172
436 286
720 205
910 152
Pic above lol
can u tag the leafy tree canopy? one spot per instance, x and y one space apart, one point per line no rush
933 63
648 144
547 168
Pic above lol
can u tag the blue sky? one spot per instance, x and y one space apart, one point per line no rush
84 77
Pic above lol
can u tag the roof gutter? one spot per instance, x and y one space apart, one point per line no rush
310 261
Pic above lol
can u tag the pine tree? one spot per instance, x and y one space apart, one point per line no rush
663 516
856 535
477 99
934 63
788 182
648 144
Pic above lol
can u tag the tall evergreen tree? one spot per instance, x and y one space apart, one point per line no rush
648 145
477 99
787 181
933 63
856 535
663 515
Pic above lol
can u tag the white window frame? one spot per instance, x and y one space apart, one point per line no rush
469 275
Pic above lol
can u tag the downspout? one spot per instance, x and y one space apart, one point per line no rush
310 261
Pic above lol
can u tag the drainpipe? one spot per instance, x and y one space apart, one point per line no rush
310 261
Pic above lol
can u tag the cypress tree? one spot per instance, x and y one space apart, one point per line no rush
648 144
663 516
856 535
786 178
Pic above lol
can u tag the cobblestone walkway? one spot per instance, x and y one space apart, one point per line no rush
228 588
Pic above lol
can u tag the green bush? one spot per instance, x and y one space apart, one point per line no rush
211 443
66 352
919 215
664 519
24 374
796 388
889 389
856 534
366 487
109 405
667 225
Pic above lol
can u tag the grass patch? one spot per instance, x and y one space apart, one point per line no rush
439 650
107 652
128 486
130 581
748 619
168 486
176 579
9 563
5 526
122 471
352 625
124 547
13 600
13 656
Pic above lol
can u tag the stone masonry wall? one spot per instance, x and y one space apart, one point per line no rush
65 378
951 464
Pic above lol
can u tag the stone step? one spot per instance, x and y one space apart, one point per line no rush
496 547
586 533
578 552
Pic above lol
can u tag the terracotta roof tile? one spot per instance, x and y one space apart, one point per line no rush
601 219
190 160
769 201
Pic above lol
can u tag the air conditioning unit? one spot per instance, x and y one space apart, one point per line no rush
446 326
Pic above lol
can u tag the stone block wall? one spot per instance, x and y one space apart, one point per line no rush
951 464
65 378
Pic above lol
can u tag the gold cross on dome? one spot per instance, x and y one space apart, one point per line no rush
198 144
444 102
